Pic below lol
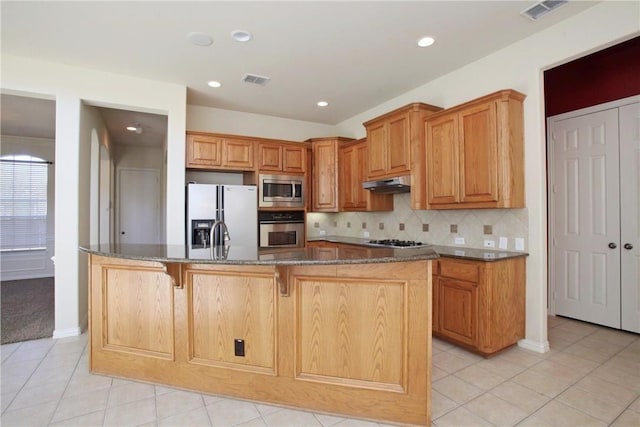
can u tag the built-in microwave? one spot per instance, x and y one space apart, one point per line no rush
281 191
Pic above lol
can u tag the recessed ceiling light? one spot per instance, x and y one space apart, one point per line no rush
426 41
322 103
214 83
136 128
200 39
241 35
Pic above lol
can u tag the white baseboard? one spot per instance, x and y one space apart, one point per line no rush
65 333
534 346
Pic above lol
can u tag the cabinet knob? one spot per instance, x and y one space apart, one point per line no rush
612 245
628 246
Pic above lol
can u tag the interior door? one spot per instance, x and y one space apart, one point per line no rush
585 254
630 215
139 206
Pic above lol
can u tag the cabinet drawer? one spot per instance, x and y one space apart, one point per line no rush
459 270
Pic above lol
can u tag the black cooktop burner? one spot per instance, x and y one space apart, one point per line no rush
396 243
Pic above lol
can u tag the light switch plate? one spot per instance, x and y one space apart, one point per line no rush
459 240
503 243
519 244
489 244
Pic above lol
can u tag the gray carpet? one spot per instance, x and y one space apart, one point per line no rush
27 309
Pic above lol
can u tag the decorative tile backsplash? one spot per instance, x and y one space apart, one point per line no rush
439 227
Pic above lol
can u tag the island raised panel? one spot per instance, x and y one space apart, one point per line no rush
140 295
352 332
225 307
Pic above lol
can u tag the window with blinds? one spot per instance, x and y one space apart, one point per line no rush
23 203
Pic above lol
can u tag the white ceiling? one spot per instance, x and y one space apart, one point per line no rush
355 55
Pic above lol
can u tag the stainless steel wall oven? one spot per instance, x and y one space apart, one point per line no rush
281 229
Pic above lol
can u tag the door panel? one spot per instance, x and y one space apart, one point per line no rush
442 160
139 206
586 217
630 215
479 154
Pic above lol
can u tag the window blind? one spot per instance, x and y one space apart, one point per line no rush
23 203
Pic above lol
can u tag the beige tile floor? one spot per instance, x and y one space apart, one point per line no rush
591 377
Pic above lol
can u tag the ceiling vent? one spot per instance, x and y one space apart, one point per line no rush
542 8
255 79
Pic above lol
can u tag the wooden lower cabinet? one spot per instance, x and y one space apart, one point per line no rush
479 305
345 339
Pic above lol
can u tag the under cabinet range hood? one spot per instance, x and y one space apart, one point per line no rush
398 184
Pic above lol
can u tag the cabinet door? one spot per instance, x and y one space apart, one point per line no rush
458 310
361 197
204 151
270 157
478 151
377 140
442 159
325 176
238 154
347 178
294 159
399 145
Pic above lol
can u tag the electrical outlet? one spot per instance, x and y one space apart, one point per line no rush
323 232
519 244
365 234
503 243
489 244
459 240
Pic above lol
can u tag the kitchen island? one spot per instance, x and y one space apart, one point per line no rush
342 331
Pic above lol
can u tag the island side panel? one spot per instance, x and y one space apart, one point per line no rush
131 315
380 368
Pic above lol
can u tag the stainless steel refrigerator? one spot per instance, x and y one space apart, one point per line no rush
225 215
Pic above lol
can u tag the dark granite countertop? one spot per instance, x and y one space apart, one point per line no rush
443 251
239 255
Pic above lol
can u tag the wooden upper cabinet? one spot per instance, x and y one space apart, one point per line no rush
238 154
282 157
269 157
377 141
396 147
442 175
325 174
212 151
475 154
392 139
352 173
204 151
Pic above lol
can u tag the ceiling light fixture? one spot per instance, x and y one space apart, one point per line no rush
322 103
135 128
200 39
214 83
426 41
241 36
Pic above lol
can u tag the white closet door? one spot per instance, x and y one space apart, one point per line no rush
630 215
585 255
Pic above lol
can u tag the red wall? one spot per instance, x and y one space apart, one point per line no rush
603 76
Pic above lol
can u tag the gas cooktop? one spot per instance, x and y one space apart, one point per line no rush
397 243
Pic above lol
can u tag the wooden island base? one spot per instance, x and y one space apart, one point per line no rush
349 339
